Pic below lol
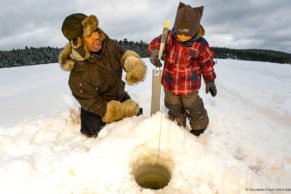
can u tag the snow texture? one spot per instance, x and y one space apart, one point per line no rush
246 148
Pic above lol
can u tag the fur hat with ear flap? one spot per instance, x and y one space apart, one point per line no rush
75 27
187 21
72 26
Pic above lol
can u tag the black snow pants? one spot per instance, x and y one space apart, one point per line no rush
91 124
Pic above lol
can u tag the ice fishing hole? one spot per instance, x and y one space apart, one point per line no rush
152 176
150 173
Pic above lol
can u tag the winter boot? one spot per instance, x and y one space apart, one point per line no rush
90 132
199 126
197 132
181 120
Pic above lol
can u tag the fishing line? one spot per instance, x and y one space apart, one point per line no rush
161 118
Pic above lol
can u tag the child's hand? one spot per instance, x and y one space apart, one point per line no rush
154 58
211 87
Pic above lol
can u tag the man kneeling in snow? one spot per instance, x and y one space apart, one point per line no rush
187 55
96 64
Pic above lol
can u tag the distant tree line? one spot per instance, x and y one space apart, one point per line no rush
29 56
44 55
139 47
252 55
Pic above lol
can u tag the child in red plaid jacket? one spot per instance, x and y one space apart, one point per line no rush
187 56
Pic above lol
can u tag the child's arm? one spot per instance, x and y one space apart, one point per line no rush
207 63
154 44
207 69
153 51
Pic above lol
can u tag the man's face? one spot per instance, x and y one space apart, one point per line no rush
92 42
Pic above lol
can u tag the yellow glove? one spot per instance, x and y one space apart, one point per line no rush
130 108
114 111
134 66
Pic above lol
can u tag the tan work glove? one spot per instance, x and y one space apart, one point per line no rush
116 110
135 67
130 108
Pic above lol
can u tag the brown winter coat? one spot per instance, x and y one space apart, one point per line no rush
98 79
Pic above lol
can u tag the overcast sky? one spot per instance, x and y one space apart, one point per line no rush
264 24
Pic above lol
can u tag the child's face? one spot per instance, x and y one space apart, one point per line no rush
183 38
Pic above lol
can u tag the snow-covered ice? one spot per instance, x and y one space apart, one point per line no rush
246 147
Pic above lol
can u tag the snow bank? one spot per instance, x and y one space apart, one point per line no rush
52 154
246 147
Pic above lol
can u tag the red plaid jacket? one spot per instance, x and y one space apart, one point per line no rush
184 63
